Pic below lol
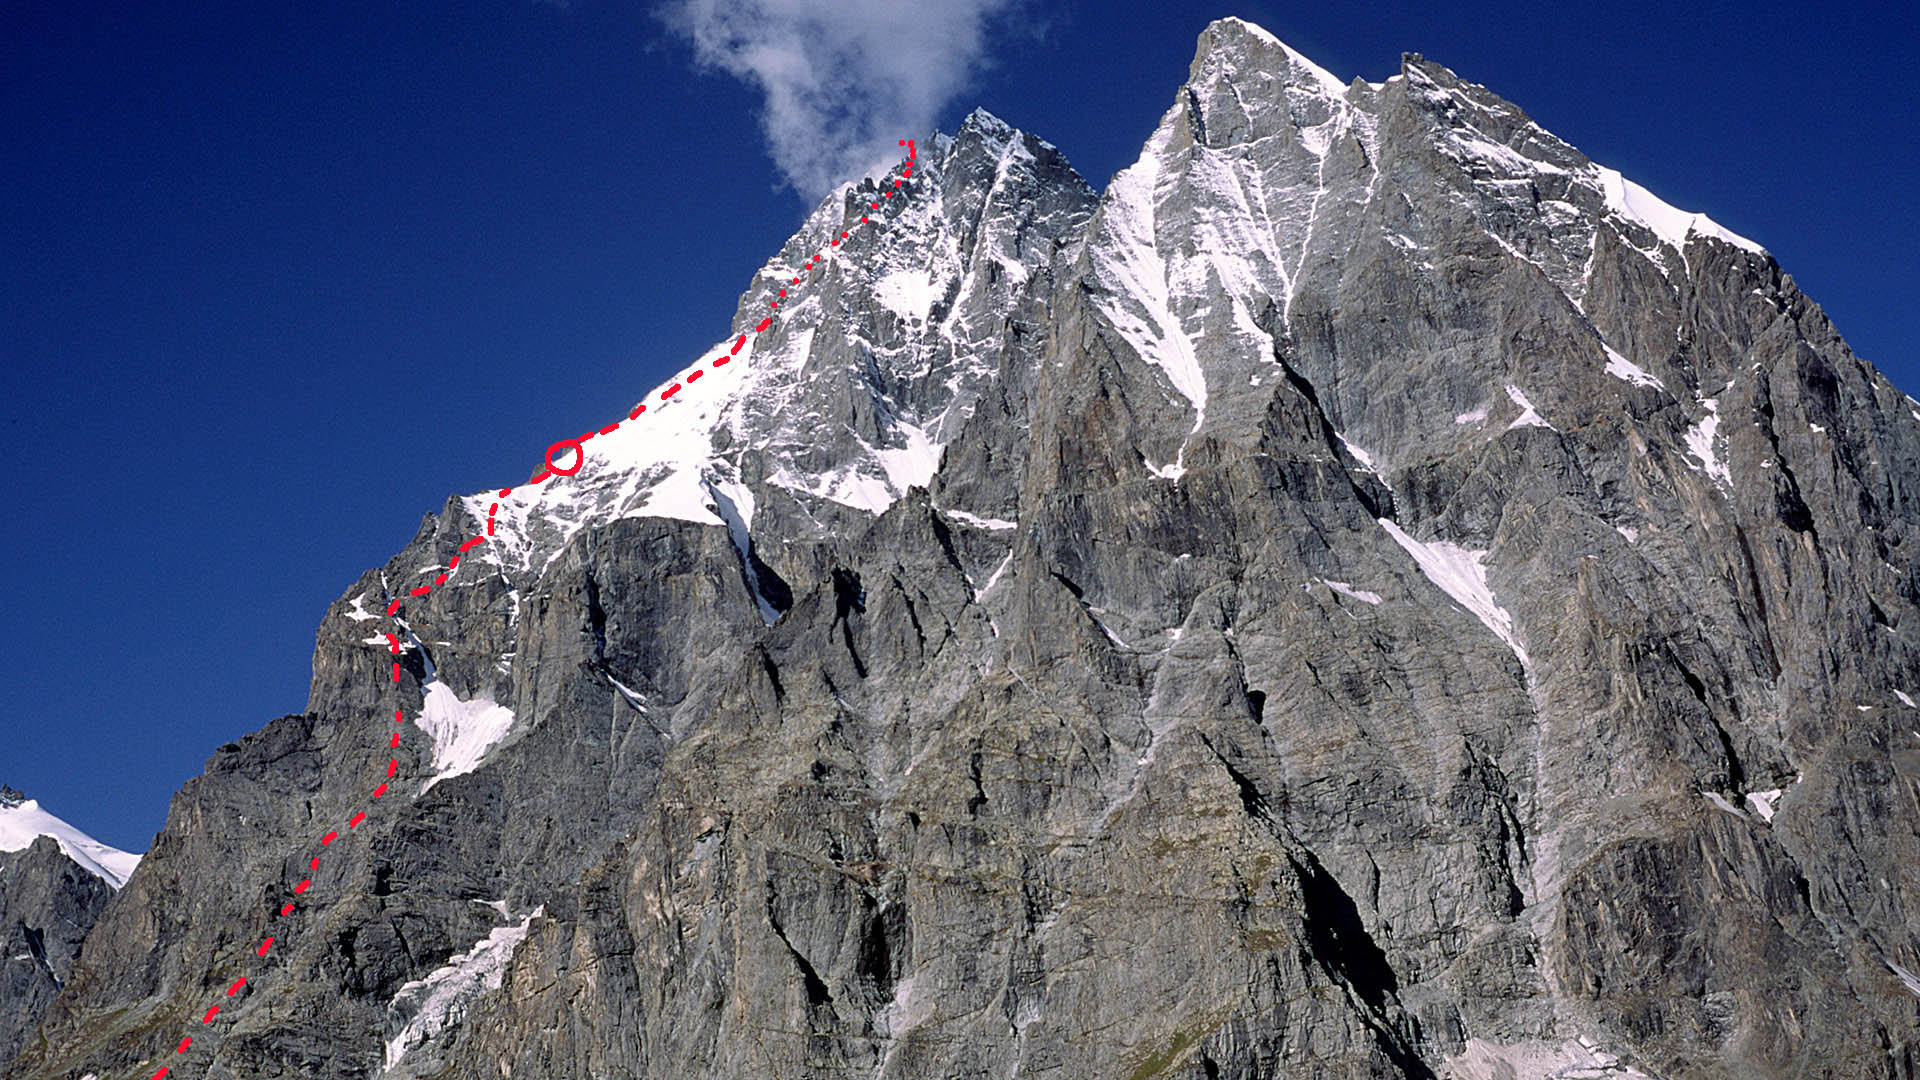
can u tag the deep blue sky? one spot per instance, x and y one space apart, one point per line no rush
278 278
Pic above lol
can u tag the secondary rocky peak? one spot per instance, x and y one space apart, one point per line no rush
24 820
984 125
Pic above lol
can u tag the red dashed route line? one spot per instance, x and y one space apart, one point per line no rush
547 472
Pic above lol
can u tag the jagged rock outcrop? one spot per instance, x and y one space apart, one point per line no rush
47 905
1372 593
54 881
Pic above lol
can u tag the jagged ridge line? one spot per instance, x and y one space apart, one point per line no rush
547 472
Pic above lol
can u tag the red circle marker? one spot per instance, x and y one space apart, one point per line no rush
580 457
552 470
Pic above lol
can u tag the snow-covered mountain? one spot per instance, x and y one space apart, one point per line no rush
54 882
1372 593
22 820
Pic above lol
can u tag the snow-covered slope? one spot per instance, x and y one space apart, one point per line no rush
876 356
22 821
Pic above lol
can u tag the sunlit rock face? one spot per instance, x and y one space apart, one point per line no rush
1371 593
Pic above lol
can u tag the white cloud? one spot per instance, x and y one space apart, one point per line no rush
843 80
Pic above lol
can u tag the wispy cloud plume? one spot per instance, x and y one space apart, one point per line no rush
842 79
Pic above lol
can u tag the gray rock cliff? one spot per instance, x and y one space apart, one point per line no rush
1372 593
48 903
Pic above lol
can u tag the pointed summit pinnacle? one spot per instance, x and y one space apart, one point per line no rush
1229 39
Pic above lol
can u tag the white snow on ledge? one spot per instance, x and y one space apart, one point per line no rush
1720 801
1461 574
978 522
878 478
1528 416
1763 803
425 1007
1622 368
1345 589
462 731
907 293
1359 454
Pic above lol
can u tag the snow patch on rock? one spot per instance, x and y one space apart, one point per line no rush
425 1007
996 524
1763 803
1720 801
1700 443
1911 980
462 731
1137 301
1461 574
1622 368
1528 417
1345 589
909 294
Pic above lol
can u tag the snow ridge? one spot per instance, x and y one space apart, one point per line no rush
901 312
1663 219
24 822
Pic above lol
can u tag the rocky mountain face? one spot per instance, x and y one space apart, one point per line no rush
1371 594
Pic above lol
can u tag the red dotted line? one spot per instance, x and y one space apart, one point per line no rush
543 475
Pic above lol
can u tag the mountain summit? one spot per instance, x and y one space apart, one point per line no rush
1372 593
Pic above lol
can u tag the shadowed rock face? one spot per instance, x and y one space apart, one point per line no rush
1373 593
48 902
